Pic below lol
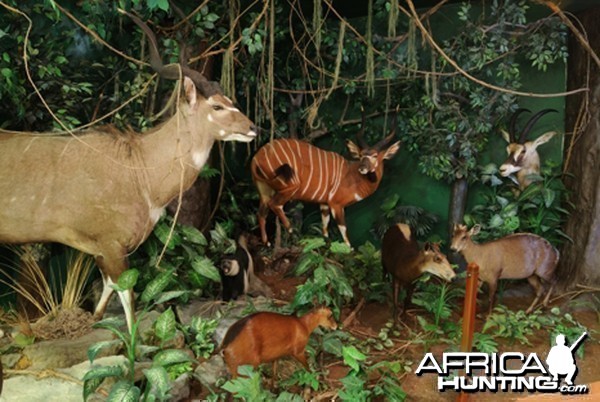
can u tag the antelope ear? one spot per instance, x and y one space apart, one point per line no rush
543 139
505 135
427 246
391 151
190 91
354 149
475 230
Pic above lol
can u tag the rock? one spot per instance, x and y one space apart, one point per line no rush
180 390
211 370
216 308
145 327
61 353
10 360
54 385
198 308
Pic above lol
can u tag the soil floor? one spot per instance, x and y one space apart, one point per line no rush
424 388
372 317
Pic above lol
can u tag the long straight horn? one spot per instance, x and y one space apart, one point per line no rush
360 135
381 144
513 123
532 122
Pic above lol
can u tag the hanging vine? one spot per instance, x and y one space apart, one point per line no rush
370 57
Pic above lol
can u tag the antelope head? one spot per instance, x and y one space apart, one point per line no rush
462 236
523 158
370 158
436 262
206 104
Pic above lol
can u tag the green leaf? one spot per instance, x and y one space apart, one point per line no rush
219 235
159 380
104 372
338 247
112 324
193 235
145 350
162 230
165 326
390 202
127 280
289 397
352 357
157 285
90 386
161 4
305 263
23 340
332 345
312 243
549 196
170 295
205 267
124 391
171 356
98 346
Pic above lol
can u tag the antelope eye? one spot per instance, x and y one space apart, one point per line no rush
437 259
217 107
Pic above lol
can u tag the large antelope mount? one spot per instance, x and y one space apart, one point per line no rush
288 169
102 193
523 158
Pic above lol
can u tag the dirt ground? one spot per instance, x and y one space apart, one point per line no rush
372 317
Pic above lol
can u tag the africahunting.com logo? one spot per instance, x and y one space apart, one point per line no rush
507 372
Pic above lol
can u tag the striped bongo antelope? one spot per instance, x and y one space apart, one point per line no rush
288 169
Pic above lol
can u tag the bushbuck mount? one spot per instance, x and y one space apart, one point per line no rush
102 192
402 258
516 256
288 169
523 158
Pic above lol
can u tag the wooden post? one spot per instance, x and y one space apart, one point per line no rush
468 326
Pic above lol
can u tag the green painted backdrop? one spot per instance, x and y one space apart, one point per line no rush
402 176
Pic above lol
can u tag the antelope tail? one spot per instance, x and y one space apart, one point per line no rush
285 172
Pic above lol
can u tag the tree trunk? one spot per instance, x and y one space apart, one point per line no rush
195 205
196 202
579 260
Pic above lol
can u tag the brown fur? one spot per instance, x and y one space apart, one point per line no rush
517 256
100 193
288 169
402 258
265 337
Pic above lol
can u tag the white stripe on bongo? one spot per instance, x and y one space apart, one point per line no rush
295 163
342 168
325 176
314 196
268 158
276 154
308 182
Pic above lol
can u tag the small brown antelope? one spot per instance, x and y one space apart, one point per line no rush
288 169
523 158
517 256
402 258
103 193
265 337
